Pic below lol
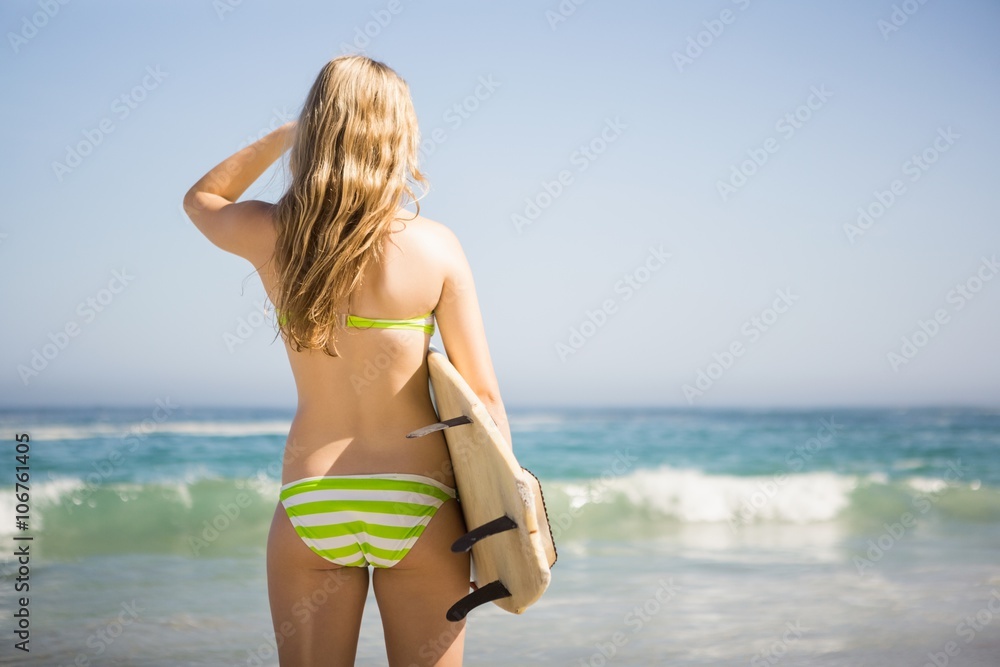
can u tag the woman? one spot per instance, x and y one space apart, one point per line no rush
359 284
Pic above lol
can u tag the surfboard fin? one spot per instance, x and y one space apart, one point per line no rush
440 426
499 525
488 593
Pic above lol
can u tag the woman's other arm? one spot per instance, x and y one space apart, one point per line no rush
462 332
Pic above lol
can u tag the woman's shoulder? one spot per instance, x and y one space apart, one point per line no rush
419 224
431 235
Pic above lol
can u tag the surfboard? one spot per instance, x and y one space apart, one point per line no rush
509 533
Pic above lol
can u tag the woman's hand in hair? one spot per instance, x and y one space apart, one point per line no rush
289 130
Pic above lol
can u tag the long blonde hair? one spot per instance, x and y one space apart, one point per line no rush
353 155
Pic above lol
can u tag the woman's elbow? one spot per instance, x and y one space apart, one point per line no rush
489 397
189 202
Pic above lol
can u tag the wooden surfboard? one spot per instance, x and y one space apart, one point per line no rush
509 532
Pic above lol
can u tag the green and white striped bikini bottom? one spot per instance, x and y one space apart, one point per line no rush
361 520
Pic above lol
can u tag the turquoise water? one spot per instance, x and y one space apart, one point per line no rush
685 537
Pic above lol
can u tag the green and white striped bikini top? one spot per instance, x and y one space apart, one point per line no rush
423 323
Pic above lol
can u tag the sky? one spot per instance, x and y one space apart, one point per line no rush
732 203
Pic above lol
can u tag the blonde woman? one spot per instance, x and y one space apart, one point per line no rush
359 284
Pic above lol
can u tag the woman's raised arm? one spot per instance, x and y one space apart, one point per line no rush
211 202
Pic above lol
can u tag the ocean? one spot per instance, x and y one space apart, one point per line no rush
685 537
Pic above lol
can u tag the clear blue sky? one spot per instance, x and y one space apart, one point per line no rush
832 103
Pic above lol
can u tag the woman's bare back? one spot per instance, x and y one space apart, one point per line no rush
355 409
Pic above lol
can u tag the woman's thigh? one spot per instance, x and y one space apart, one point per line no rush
414 595
316 605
